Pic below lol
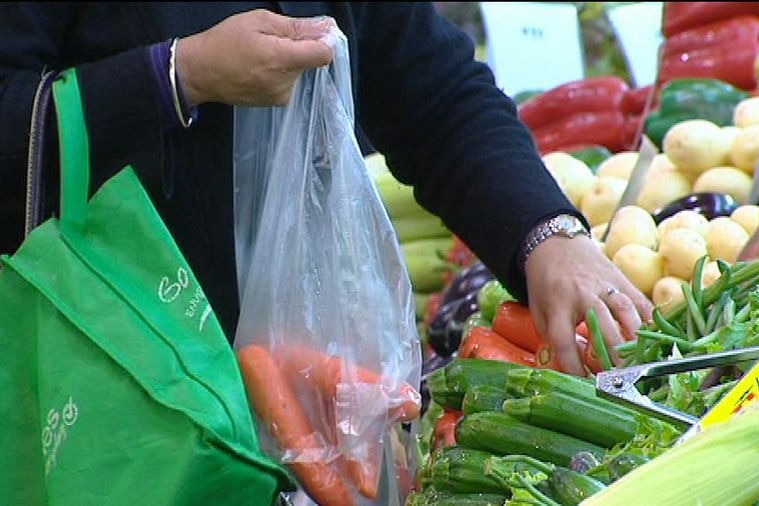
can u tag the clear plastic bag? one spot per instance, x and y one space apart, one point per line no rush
327 337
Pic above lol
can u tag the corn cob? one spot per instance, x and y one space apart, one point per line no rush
716 467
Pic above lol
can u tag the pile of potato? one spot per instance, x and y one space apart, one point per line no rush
658 258
697 156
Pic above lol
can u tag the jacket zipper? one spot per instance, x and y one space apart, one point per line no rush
34 170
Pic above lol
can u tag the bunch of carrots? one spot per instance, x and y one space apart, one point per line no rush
271 378
513 337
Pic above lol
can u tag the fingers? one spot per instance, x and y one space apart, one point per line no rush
302 54
561 335
300 43
294 28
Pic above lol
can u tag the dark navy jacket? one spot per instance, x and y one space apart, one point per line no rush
421 99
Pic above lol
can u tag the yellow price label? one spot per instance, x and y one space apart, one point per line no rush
744 393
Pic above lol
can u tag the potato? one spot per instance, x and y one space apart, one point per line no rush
687 218
744 152
598 231
746 216
642 266
681 248
725 239
660 162
630 230
619 165
746 112
600 201
725 179
667 292
634 212
573 176
663 187
696 145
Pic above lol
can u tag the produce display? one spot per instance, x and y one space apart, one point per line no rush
501 424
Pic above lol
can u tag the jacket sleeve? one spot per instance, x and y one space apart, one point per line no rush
445 128
120 100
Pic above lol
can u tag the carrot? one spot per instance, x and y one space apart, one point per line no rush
365 472
582 330
278 407
514 321
546 358
326 371
589 358
484 343
444 431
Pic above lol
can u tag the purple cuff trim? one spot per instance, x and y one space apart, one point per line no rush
159 56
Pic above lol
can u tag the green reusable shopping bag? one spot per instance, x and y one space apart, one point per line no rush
117 384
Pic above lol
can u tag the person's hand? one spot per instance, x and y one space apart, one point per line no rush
252 58
566 277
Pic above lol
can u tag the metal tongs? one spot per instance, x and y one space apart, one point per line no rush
619 384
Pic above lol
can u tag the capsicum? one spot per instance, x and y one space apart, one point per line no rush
681 16
714 33
592 94
609 128
726 50
691 98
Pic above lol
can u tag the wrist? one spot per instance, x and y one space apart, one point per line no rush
185 111
562 225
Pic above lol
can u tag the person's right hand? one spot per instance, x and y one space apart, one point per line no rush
252 58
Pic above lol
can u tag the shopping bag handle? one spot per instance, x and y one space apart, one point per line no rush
74 149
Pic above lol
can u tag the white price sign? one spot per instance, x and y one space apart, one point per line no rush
532 45
638 30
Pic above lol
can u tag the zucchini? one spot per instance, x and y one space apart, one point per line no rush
464 470
570 488
527 381
583 418
483 398
502 434
623 463
448 384
432 497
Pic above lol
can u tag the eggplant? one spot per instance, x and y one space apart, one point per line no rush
447 327
709 204
469 279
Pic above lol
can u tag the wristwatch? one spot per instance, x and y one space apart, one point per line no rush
565 225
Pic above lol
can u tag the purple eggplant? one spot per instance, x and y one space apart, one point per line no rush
469 279
709 204
446 328
432 362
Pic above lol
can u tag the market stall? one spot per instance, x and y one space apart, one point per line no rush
501 422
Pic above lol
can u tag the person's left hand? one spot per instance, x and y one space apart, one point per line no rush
566 277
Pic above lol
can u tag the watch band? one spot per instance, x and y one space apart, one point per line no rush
565 225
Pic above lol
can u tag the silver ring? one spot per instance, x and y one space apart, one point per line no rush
612 291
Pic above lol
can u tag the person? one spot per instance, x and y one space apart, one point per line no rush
421 99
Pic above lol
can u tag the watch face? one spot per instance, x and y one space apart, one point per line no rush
566 223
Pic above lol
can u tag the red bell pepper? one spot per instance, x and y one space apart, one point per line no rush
681 16
634 100
593 94
733 31
607 128
733 63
